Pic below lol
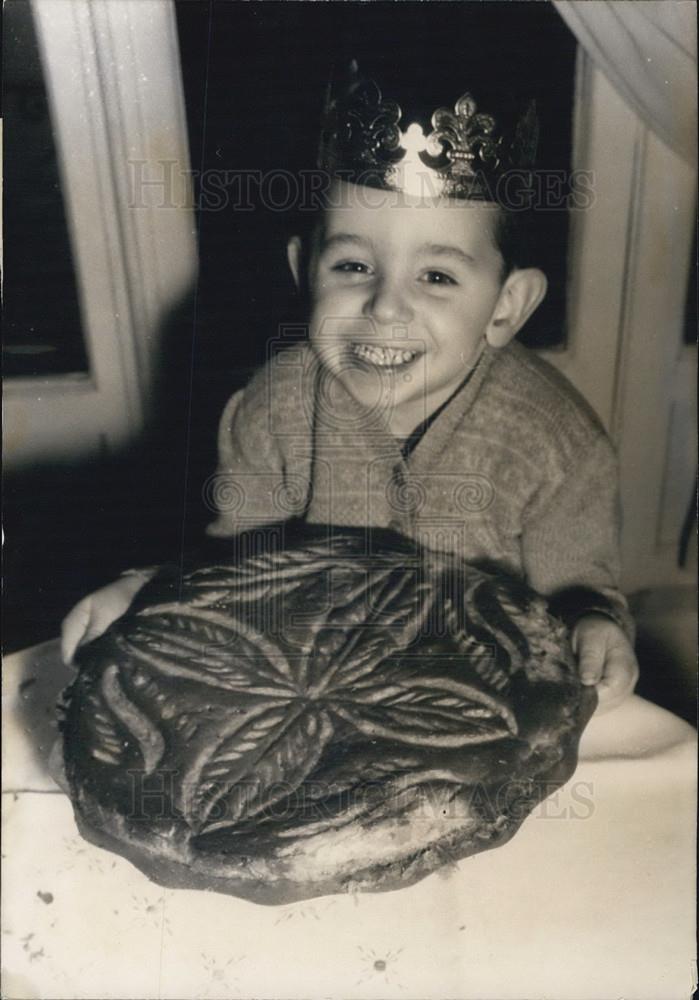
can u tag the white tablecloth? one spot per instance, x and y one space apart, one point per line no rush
593 897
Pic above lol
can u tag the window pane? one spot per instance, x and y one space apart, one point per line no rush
42 326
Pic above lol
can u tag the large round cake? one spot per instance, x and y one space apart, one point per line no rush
327 717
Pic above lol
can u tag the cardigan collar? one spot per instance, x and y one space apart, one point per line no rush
428 452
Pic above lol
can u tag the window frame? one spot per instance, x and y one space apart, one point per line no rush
112 76
625 350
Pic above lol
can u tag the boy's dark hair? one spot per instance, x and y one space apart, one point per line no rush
516 238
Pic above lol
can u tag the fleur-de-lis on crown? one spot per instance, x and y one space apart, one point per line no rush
364 138
464 136
369 125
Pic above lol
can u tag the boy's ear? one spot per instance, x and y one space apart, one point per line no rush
522 292
293 255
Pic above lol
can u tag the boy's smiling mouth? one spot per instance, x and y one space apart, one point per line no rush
382 355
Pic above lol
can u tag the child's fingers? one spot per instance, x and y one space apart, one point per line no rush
95 613
100 620
619 680
74 626
590 660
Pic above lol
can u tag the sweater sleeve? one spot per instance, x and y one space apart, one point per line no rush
245 490
570 544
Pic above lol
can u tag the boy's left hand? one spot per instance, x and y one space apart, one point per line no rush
606 658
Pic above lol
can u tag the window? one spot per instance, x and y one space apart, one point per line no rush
83 378
42 332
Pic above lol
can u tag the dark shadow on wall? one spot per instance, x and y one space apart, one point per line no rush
72 527
666 647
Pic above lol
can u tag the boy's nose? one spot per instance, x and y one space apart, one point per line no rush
388 304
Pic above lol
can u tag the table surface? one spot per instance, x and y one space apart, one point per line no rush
593 897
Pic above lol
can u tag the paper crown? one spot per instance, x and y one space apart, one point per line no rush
465 154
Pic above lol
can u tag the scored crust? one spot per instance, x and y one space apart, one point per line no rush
320 719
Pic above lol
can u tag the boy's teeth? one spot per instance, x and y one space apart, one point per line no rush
383 355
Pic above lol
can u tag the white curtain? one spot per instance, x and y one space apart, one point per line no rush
648 50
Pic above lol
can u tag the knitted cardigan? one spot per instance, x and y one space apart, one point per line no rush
516 472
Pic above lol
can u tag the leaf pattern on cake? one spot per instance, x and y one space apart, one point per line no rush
295 692
293 700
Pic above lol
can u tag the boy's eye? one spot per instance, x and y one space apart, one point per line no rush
438 278
351 267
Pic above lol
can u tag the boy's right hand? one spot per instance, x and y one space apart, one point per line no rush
95 613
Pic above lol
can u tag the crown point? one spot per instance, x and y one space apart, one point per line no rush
413 140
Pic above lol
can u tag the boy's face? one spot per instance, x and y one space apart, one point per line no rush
402 293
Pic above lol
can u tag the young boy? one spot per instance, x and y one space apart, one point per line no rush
411 406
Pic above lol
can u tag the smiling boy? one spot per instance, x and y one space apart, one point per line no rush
409 288
411 407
